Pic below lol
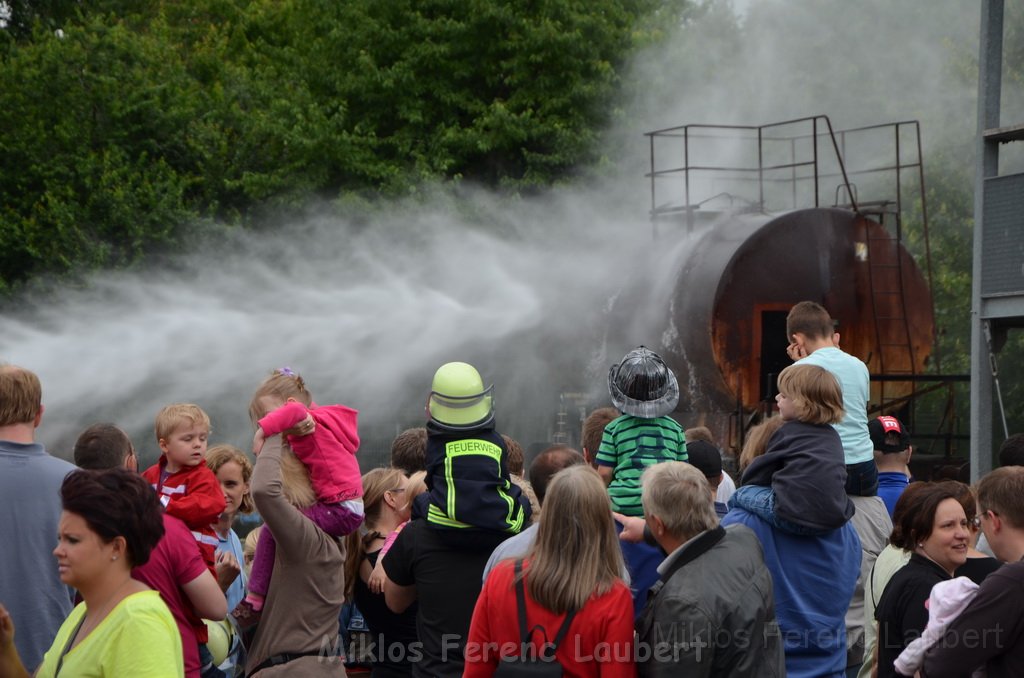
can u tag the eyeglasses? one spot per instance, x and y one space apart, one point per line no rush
397 489
976 522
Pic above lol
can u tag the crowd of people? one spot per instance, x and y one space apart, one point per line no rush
638 555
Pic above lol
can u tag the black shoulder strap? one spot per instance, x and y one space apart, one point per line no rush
67 645
871 578
524 632
699 547
562 630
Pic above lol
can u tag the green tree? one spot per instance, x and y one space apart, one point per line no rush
136 121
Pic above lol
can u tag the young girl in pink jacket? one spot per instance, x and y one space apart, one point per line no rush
325 439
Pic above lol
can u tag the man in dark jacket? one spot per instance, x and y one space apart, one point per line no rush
712 612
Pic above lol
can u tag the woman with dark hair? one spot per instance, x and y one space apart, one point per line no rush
936 535
570 587
110 524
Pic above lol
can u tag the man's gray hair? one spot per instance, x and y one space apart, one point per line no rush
680 496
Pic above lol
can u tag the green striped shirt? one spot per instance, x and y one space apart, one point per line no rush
631 444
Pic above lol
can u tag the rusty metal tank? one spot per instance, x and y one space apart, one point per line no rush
715 303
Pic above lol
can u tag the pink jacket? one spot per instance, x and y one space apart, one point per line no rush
329 452
947 600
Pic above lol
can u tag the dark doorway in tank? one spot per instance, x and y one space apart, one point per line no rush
773 354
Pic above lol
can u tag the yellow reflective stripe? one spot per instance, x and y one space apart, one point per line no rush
472 447
449 479
513 524
435 515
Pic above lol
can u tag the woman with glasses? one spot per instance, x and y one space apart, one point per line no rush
387 506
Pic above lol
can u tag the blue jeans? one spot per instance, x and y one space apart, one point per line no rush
642 561
862 479
206 666
761 502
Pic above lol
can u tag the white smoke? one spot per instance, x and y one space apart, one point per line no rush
366 312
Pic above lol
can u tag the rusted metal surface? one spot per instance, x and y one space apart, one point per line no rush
717 311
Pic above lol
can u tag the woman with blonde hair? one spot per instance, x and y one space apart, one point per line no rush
569 586
387 503
234 473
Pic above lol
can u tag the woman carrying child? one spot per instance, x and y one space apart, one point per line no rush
325 440
306 591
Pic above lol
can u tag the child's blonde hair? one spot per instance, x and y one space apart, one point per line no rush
282 383
218 455
249 548
172 416
816 395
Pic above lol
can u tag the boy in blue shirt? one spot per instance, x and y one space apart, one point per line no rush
813 341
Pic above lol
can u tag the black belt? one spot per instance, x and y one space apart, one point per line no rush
283 658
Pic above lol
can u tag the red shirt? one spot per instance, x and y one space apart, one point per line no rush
173 563
192 495
599 641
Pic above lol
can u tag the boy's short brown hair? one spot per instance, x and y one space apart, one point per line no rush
21 395
1002 492
172 416
593 428
102 446
409 450
809 319
816 395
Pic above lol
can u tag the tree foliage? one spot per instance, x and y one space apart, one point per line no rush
123 123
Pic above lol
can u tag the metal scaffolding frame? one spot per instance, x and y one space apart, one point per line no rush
997 293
